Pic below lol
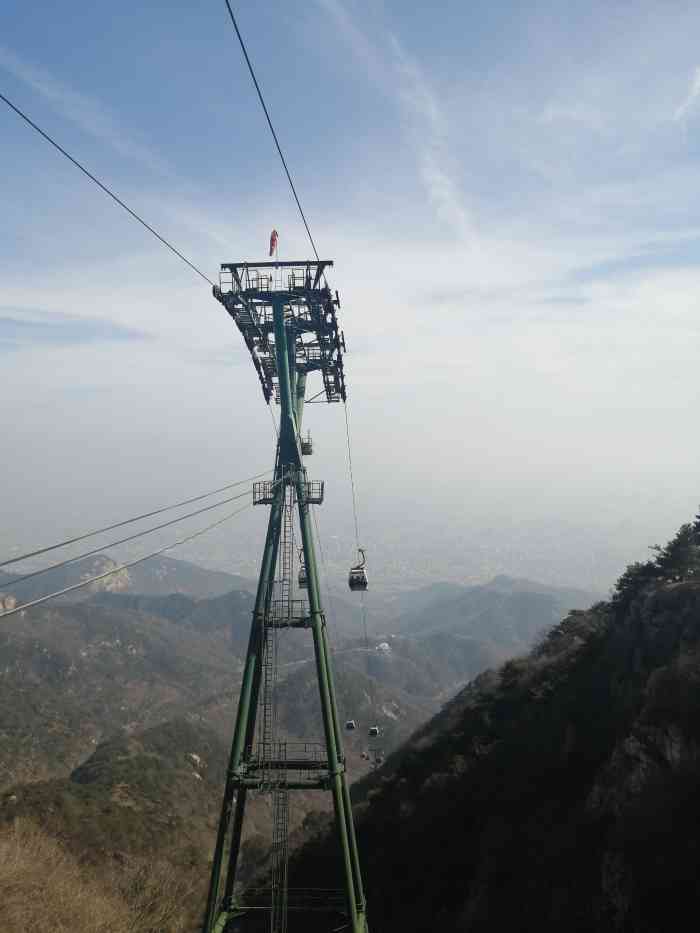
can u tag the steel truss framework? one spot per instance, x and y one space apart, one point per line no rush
288 321
249 292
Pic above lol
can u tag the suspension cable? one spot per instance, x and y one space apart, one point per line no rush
138 534
363 603
272 129
366 636
106 190
333 629
324 564
129 521
124 566
352 477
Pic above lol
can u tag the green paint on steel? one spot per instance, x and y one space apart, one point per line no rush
245 717
301 392
290 454
289 471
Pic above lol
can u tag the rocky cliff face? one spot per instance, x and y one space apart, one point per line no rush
559 792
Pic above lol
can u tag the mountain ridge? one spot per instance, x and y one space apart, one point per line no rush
116 690
561 790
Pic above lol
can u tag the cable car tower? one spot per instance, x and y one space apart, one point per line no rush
287 316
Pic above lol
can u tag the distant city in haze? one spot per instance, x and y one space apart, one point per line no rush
554 553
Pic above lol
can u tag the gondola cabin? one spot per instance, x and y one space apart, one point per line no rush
302 579
357 578
373 732
307 445
351 725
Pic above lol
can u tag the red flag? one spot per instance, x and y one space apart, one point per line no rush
273 243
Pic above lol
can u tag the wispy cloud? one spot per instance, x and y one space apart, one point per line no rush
85 112
401 77
573 113
20 329
358 43
691 98
428 128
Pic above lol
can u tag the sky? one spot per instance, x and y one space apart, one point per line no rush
511 197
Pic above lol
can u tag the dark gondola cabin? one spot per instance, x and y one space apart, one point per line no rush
307 445
302 579
357 578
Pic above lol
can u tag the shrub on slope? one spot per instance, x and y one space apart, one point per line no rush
43 887
560 792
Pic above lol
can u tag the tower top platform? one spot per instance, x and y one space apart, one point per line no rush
250 291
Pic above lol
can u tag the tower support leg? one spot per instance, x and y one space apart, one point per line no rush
245 721
331 726
289 472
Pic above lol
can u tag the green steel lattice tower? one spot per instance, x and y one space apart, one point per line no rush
287 316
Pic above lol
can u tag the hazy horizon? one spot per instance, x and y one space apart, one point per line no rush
510 197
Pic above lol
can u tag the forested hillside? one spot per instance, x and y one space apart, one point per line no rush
117 712
157 576
561 791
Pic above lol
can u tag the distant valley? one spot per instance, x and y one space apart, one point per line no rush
116 707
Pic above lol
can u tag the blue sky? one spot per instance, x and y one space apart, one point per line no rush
511 196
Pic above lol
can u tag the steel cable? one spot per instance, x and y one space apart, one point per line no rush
363 604
138 534
272 129
124 566
106 190
352 478
324 564
130 521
